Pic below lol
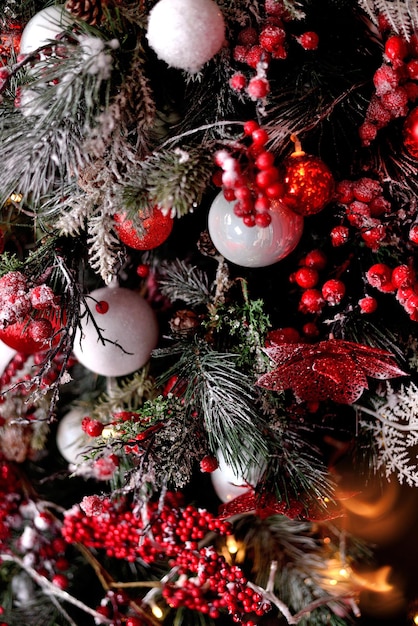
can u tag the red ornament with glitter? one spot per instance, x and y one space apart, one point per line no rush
410 133
308 182
157 228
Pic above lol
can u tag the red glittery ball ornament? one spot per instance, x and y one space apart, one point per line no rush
34 334
157 227
410 133
308 182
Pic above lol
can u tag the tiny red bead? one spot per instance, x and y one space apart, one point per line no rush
260 136
263 219
102 307
250 127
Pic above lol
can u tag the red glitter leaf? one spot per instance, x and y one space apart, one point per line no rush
266 505
333 369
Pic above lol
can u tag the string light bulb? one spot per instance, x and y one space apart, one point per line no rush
156 610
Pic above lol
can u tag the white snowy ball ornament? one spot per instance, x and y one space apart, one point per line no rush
186 33
128 329
229 483
253 246
44 27
72 441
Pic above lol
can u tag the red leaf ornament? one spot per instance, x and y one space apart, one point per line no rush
329 370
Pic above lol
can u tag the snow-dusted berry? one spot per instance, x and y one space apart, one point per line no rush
42 297
333 291
368 304
209 463
311 301
308 40
258 88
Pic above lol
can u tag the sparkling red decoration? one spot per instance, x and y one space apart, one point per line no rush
330 370
309 184
157 228
410 133
10 39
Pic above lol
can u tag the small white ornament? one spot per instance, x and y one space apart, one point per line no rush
186 33
128 328
6 355
229 484
44 27
253 246
72 441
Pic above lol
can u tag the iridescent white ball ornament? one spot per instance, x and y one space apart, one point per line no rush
186 33
128 329
229 483
72 441
44 27
253 246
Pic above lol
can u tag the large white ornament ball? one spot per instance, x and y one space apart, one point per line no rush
128 327
44 27
228 483
72 441
253 246
186 33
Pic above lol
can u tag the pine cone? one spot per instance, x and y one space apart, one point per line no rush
184 321
89 11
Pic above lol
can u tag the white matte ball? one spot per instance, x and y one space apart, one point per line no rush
186 33
229 484
72 441
44 27
6 355
128 327
253 246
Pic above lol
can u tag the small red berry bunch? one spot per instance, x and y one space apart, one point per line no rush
315 297
396 86
207 583
365 206
256 48
254 184
18 301
401 281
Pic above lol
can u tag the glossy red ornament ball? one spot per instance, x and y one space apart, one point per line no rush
309 184
410 133
157 228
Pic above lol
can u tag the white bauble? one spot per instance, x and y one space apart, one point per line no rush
128 327
72 441
253 246
44 27
186 33
6 355
229 483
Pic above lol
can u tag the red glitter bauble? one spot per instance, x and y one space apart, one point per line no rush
157 228
410 133
19 336
309 184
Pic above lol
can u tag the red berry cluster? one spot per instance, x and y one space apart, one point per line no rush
401 281
396 86
256 49
208 584
364 205
29 530
314 298
256 184
17 301
116 528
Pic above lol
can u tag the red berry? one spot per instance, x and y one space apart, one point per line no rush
60 581
368 304
283 335
316 259
311 301
249 220
92 427
385 79
248 36
310 329
333 291
265 160
366 188
344 191
306 277
262 204
402 276
266 177
396 48
229 194
40 330
250 127
143 270
260 136
308 40
208 464
258 88
275 190
379 275
339 235
237 81
263 219
255 55
133 621
102 307
413 233
271 37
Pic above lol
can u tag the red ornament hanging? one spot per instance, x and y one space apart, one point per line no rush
35 333
410 133
157 228
308 182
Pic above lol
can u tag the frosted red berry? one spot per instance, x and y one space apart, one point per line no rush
413 233
238 81
61 581
339 235
308 40
396 48
368 304
379 275
92 427
316 259
311 301
333 291
306 277
209 464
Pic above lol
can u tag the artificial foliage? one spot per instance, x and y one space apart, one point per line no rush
247 171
